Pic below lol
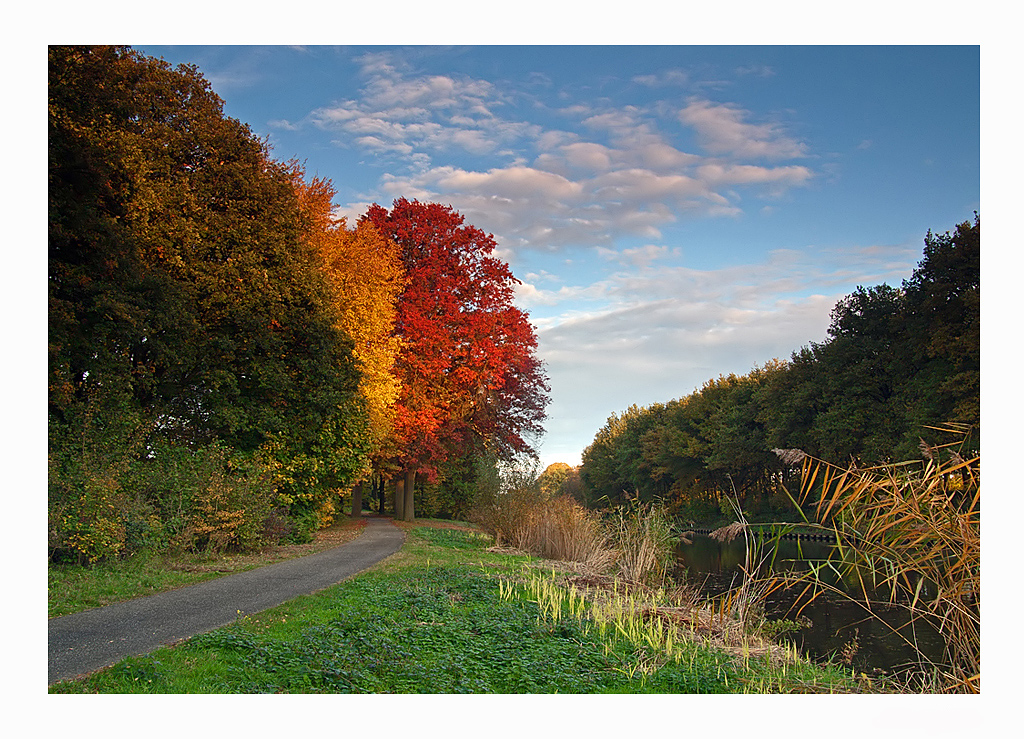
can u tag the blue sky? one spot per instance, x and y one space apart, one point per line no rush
673 212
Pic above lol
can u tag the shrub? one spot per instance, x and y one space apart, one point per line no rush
234 496
504 509
90 455
638 538
210 498
520 515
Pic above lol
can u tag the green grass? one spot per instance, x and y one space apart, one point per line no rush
73 588
437 618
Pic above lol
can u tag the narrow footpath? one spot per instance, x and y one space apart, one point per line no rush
83 642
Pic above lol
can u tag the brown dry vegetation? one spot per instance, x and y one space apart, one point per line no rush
912 531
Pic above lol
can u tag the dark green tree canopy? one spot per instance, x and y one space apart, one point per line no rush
178 270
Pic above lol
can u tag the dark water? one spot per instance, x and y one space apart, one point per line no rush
834 627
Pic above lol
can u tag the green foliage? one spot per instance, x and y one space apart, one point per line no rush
554 478
453 538
504 510
73 588
459 483
91 456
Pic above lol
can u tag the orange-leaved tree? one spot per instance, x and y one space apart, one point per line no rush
366 276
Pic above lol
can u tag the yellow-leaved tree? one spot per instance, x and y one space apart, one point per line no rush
366 275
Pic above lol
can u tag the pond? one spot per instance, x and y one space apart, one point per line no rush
832 626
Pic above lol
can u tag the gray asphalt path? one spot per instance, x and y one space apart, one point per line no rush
87 641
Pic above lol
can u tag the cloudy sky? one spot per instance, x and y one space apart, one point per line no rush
673 213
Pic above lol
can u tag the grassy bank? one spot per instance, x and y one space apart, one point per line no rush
72 588
450 614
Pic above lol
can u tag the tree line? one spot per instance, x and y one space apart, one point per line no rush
228 360
898 365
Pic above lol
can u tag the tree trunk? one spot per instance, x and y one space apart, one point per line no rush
357 500
400 499
410 487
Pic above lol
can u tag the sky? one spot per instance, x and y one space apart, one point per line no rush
674 213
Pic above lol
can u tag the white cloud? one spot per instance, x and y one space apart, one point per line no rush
757 70
594 157
717 175
657 351
406 114
510 182
668 77
723 130
623 119
642 257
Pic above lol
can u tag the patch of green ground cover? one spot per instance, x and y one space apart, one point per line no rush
73 588
454 538
430 620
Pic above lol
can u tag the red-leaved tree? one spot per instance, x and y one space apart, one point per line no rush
468 369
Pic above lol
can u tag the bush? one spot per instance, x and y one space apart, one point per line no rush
520 515
223 502
637 538
89 459
504 510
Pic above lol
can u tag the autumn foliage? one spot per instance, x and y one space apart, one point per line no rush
226 357
366 277
467 366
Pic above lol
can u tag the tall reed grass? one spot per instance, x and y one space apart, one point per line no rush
911 531
637 541
645 542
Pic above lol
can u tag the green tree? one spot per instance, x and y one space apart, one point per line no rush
553 479
944 306
896 361
864 364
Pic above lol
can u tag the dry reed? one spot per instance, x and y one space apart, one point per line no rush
913 531
645 543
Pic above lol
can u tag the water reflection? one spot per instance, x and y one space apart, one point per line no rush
834 626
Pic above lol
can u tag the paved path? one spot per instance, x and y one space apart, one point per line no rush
86 641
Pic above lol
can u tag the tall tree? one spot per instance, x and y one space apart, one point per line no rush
177 259
468 371
897 361
366 276
944 306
